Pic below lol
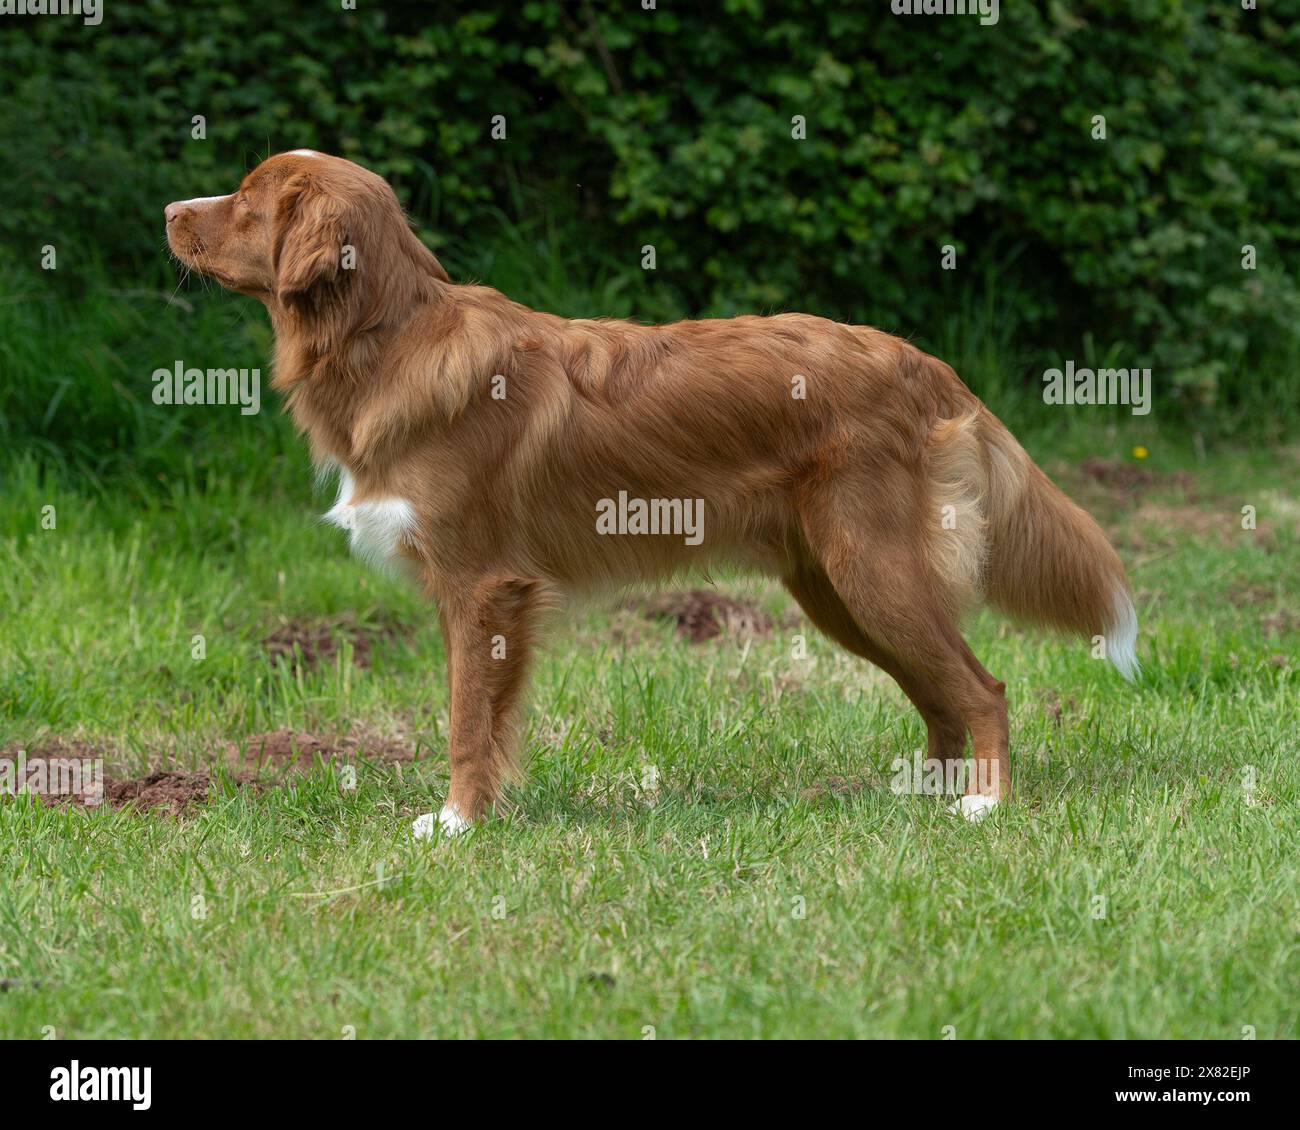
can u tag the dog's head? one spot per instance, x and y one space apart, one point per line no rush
303 230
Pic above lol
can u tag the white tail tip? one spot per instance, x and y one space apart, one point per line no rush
1121 637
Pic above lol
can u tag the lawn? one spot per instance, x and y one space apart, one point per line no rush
706 845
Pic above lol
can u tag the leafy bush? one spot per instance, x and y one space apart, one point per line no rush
674 128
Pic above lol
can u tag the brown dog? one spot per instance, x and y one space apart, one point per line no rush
508 457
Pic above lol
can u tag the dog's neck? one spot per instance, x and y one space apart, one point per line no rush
323 386
329 343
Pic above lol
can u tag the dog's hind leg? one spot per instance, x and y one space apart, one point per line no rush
945 730
488 629
874 560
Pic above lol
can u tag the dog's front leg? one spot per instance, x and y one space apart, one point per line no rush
488 629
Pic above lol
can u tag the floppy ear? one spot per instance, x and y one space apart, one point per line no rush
309 245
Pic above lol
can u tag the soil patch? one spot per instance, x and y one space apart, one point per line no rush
1125 482
1117 475
1244 594
701 615
48 774
1055 709
177 790
283 747
1223 526
174 791
1281 622
309 643
834 786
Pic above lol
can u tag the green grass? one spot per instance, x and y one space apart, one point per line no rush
770 885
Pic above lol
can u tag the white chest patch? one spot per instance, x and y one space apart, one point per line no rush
377 527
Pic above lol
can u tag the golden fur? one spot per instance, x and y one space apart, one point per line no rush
887 497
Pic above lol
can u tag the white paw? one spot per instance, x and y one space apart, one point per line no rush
448 822
974 807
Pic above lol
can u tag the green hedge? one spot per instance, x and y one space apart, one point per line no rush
673 128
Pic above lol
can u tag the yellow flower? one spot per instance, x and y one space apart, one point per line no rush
1139 452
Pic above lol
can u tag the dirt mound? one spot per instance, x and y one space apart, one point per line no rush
1126 478
171 790
701 615
312 643
58 770
175 790
1127 481
281 747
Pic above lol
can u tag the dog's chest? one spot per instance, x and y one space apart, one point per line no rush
378 529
